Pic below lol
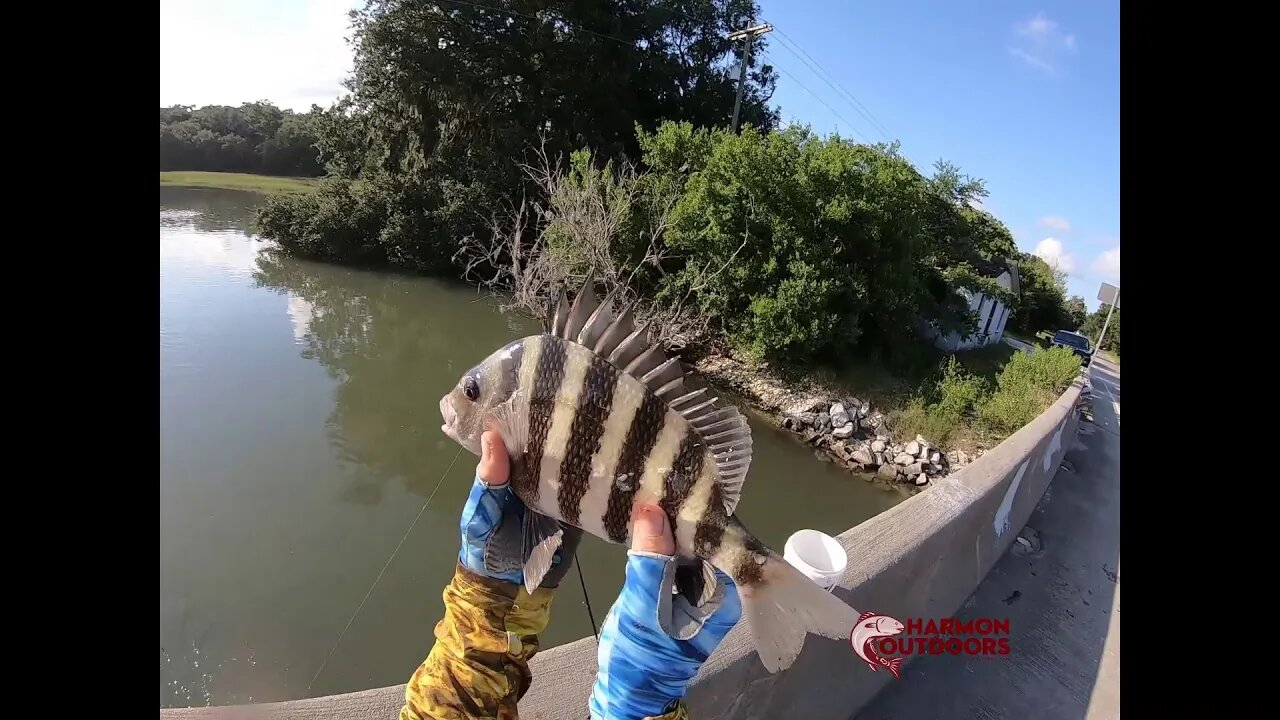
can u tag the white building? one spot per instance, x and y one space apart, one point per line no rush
992 314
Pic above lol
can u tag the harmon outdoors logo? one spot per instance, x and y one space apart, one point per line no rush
883 642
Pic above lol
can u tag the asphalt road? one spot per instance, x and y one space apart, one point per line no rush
1063 601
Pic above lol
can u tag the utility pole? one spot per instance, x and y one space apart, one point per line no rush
1115 301
749 34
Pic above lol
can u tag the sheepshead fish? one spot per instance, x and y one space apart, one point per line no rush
597 418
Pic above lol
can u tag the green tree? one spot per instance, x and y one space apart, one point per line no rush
823 233
1093 327
449 99
832 244
291 148
1076 312
1042 300
255 137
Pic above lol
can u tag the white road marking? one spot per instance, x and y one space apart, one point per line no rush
1115 404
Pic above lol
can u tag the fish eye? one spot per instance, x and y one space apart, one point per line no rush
471 388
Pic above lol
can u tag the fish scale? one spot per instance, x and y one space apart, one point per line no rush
596 419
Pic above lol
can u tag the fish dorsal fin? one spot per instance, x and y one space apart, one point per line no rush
615 333
728 437
584 306
630 347
559 316
865 615
600 320
724 430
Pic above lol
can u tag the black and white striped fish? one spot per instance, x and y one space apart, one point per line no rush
596 419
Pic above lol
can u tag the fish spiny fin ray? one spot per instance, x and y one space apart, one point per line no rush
615 333
596 325
657 378
695 396
650 359
584 306
559 316
671 389
631 347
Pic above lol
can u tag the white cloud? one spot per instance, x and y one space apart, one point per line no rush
1040 43
1054 222
291 52
1051 251
1107 265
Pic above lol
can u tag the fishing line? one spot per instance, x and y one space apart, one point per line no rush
384 570
586 599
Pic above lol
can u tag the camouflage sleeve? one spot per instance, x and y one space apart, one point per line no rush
677 713
479 665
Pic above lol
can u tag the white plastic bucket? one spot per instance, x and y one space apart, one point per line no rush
818 555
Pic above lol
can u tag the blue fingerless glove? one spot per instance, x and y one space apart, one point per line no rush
493 538
644 670
481 517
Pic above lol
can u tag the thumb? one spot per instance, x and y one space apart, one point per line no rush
650 531
495 465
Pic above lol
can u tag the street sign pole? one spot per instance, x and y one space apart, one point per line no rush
1114 300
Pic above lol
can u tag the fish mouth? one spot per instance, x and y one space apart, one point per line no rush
450 417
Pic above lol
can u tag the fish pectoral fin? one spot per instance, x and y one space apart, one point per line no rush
542 537
511 420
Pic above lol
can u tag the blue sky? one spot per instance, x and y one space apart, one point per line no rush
1024 95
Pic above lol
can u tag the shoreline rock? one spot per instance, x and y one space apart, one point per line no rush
842 429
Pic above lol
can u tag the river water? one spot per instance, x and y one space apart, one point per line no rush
300 437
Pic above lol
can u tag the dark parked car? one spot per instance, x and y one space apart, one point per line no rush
1076 342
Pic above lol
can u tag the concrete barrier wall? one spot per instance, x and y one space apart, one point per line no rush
921 558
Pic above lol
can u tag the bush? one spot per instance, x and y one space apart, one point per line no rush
336 222
950 397
828 242
383 219
1028 384
916 418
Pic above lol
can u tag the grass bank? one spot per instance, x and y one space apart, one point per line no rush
265 184
970 401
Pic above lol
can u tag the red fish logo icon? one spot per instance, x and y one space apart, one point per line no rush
870 628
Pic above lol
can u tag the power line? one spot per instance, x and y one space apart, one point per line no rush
856 103
819 99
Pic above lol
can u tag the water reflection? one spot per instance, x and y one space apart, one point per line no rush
395 345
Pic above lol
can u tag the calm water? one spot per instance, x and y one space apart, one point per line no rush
299 438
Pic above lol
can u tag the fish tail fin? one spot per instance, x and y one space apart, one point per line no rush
895 664
784 605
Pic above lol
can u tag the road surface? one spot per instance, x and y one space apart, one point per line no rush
1063 602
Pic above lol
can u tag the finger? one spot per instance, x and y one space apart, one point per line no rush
495 464
650 531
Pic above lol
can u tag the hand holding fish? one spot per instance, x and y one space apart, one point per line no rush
492 519
653 641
